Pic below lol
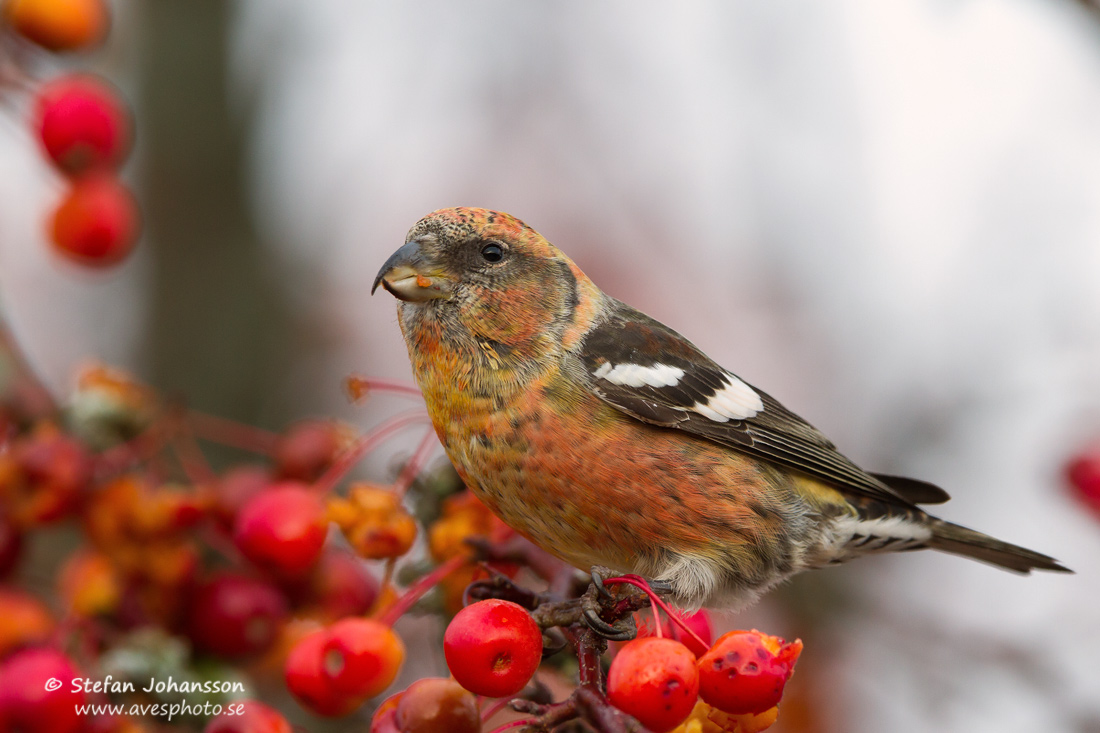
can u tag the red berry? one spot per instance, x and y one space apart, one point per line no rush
699 622
305 678
96 223
307 448
1083 474
745 671
59 25
235 615
256 718
82 123
434 704
362 657
27 703
282 529
493 647
656 681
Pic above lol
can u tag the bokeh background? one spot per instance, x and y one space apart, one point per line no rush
887 215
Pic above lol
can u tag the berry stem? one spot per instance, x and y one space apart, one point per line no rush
512 724
415 464
190 455
417 590
359 388
639 582
339 469
495 708
232 433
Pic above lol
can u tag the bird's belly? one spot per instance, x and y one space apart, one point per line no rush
593 486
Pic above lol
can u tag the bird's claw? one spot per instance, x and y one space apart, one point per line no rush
593 604
622 630
598 574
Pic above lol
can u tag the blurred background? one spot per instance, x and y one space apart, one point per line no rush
887 215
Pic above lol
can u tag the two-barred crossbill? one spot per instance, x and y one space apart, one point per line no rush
610 440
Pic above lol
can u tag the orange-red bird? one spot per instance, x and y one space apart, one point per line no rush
610 440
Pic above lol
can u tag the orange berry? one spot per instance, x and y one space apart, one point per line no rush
89 585
23 620
374 521
59 25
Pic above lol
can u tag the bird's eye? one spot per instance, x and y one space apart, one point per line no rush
492 252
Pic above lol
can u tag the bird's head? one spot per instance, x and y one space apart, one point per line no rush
484 272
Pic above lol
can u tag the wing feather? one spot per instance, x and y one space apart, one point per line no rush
695 403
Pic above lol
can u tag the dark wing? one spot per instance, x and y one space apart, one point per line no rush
654 374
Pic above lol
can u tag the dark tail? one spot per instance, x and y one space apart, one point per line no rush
958 540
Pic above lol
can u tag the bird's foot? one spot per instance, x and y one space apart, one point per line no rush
600 602
595 607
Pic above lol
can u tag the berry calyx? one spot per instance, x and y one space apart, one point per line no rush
493 647
656 681
305 678
745 671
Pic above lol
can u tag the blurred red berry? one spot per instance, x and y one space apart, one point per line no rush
342 586
384 719
235 615
235 488
656 681
97 222
26 701
56 469
493 647
745 671
434 704
699 622
256 718
362 657
304 673
282 529
82 123
1083 474
309 447
59 25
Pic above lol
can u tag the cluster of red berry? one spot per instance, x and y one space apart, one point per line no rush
83 125
162 566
